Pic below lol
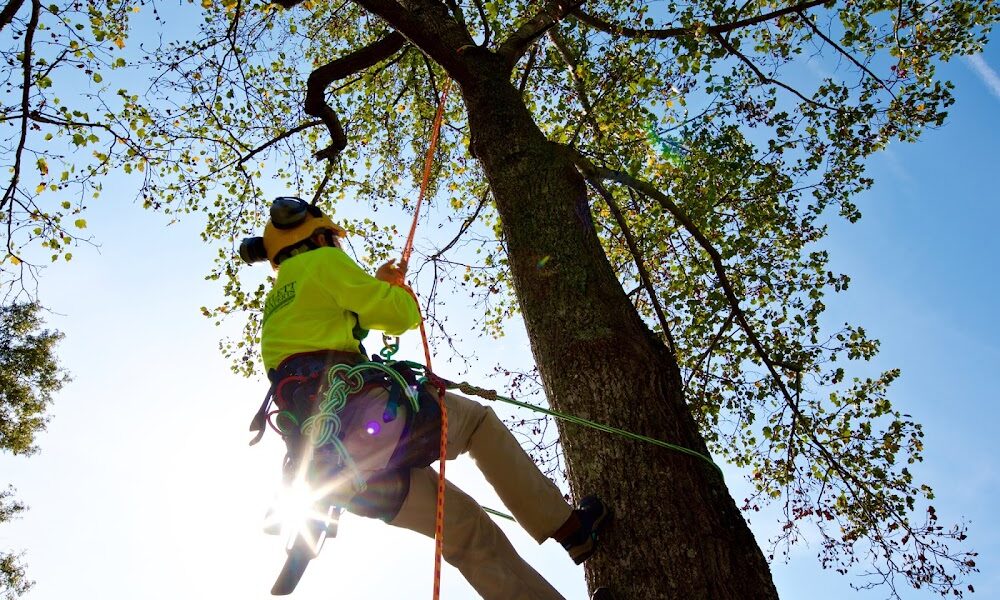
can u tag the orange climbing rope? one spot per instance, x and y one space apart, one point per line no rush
407 251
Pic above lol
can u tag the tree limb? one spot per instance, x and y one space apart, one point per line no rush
581 89
517 43
487 31
672 32
812 25
8 196
429 25
764 78
711 347
7 15
345 66
527 69
633 248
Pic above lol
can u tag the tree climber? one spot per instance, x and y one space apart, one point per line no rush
315 316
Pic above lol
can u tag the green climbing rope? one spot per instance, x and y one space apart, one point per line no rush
468 388
497 513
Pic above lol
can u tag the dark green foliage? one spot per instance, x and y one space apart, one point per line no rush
12 580
29 375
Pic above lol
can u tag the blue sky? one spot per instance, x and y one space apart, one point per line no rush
145 488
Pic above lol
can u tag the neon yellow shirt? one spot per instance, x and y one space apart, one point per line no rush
319 297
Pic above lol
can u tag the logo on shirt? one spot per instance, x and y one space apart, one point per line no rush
277 299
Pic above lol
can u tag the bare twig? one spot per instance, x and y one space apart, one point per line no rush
284 135
465 227
7 15
711 347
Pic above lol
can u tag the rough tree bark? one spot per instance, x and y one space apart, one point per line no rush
678 533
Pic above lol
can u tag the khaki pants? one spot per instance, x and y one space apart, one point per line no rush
472 541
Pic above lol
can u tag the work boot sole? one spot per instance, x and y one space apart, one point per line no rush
581 552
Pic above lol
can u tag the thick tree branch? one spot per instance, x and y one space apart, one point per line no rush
7 15
640 265
672 32
15 177
429 25
514 47
321 77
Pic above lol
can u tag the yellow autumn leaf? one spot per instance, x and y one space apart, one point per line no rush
15 260
119 42
40 188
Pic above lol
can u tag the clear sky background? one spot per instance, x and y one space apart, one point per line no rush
145 487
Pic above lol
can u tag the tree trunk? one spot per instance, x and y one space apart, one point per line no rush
677 532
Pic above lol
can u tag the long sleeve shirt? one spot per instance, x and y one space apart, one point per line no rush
318 299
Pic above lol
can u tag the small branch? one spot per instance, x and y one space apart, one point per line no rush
672 32
286 134
633 248
844 52
764 78
461 230
711 347
321 77
7 15
581 89
487 31
514 47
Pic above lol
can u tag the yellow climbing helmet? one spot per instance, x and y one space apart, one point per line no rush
292 224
